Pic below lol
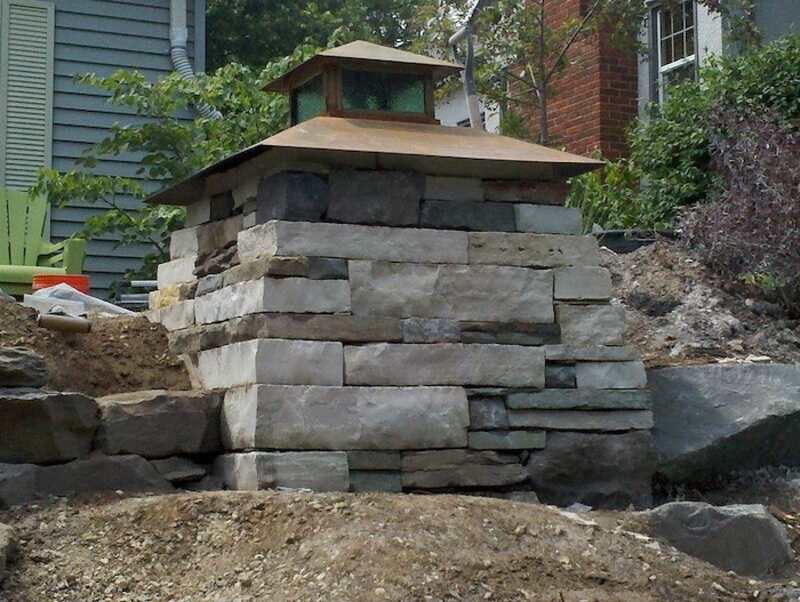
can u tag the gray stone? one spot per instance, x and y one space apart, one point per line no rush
582 284
745 539
373 460
487 413
177 316
285 295
711 420
545 193
344 418
204 239
460 292
198 212
466 215
384 198
580 399
590 353
17 484
313 327
559 376
547 219
532 250
510 333
591 324
461 468
611 375
264 267
445 188
209 284
40 427
272 362
22 367
100 473
327 268
600 470
383 481
177 271
8 548
179 470
291 196
428 330
507 440
221 206
292 239
254 471
522 497
158 424
444 364
577 420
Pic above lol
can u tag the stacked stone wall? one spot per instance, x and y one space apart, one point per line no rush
393 331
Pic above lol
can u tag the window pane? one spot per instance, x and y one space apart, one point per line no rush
373 91
688 12
666 51
689 42
666 23
677 20
308 100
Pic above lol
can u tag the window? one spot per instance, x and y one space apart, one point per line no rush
308 100
675 46
374 91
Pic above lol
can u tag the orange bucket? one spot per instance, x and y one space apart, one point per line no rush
77 281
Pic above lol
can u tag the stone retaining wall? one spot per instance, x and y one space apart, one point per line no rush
394 331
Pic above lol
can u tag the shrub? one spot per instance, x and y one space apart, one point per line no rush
751 230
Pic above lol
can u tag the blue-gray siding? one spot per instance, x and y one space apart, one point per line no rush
101 36
776 18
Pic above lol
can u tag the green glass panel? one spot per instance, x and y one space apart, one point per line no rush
308 100
391 92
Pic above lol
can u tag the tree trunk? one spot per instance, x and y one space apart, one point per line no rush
544 131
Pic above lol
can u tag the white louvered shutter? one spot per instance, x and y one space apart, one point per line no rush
26 90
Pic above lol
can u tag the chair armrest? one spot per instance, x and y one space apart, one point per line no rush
68 254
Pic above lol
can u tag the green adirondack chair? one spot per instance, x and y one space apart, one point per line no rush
24 252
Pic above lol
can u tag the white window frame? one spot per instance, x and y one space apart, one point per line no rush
664 70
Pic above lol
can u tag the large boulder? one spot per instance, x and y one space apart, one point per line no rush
158 424
41 427
711 420
21 367
743 539
8 548
599 470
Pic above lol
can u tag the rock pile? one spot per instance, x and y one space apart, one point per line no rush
394 331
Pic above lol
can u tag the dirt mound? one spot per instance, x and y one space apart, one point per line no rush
681 313
293 546
119 355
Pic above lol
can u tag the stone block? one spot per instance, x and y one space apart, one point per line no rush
9 549
582 284
179 471
177 316
17 484
611 375
580 399
291 239
501 440
222 206
292 196
599 470
487 413
209 284
285 295
170 295
254 471
576 420
375 481
22 367
272 362
428 330
444 188
510 333
204 239
515 191
40 427
364 460
559 376
327 268
177 271
344 418
466 215
445 364
100 473
383 198
547 219
461 468
589 353
263 267
198 212
459 292
591 324
532 250
158 424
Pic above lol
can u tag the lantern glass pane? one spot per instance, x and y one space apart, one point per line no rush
308 100
390 92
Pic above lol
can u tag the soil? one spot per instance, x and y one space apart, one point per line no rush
276 546
679 312
119 354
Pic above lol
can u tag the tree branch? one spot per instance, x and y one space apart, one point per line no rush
571 40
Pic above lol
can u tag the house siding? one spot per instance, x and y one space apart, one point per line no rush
101 36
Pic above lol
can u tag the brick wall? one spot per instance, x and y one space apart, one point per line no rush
594 101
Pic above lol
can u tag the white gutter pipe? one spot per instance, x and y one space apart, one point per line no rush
178 42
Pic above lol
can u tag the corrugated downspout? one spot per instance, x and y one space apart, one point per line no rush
178 42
